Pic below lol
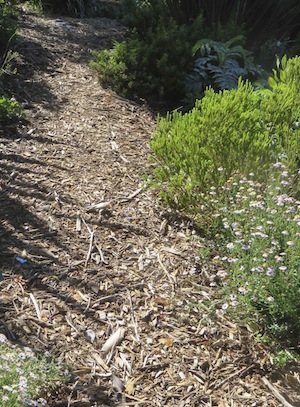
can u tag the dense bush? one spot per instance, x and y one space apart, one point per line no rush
281 109
152 66
239 130
157 63
225 132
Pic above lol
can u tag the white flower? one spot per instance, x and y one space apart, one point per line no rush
225 306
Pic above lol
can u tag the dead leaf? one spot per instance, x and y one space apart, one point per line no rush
130 387
160 301
168 342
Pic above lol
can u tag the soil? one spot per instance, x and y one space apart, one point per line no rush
112 284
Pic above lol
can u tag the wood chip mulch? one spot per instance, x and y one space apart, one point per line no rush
113 284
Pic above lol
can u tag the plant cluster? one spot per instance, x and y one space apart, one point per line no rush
151 65
219 66
233 162
156 63
9 108
8 23
24 376
261 234
241 130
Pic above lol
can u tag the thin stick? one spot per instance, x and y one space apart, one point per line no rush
276 393
171 278
71 325
101 254
88 256
133 319
237 373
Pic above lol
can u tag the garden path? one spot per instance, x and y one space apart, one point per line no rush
103 258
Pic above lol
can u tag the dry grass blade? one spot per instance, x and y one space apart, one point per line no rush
88 256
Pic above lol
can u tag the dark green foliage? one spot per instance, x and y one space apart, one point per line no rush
263 19
151 66
8 24
220 65
9 109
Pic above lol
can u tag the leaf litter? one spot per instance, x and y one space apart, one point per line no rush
112 284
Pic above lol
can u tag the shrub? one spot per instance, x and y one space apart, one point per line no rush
233 161
9 108
281 109
224 133
241 130
152 66
25 376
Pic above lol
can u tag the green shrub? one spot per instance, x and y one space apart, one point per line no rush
9 109
225 132
233 161
281 109
241 130
152 66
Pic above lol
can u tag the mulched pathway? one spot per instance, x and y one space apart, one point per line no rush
113 285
